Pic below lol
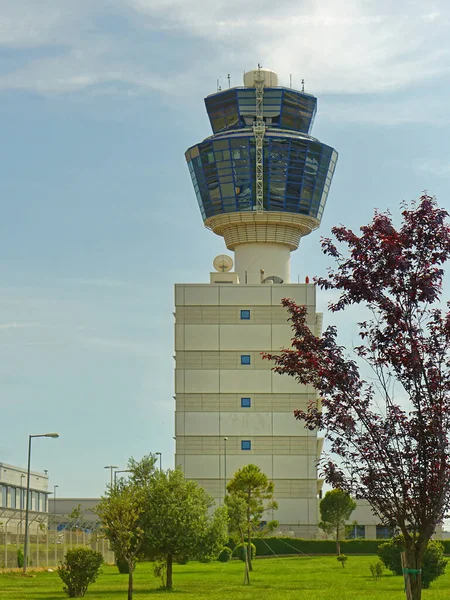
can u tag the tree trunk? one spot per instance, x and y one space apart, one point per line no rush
247 568
249 535
169 572
338 544
130 580
249 555
412 561
247 574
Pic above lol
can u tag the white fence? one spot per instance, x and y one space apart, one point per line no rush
49 539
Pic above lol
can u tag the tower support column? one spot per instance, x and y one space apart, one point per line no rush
256 261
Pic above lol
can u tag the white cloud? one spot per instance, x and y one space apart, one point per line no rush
99 282
14 325
26 25
127 346
379 111
438 167
355 47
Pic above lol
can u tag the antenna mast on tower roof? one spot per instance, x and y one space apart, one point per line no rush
259 129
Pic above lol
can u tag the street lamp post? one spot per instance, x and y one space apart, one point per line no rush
27 505
121 471
55 527
111 467
160 459
225 440
21 500
54 501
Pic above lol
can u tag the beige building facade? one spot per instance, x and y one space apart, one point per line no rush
231 408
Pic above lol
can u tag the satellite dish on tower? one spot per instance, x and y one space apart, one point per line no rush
273 279
223 263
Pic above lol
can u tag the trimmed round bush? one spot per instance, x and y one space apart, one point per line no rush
20 558
80 568
242 548
225 554
434 563
377 569
122 565
342 558
389 553
433 566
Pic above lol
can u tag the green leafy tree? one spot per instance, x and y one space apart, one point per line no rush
142 471
335 509
121 511
251 497
75 518
177 520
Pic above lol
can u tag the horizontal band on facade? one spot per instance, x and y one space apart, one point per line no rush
275 445
232 402
284 488
231 315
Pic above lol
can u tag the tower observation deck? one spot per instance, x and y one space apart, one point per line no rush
261 179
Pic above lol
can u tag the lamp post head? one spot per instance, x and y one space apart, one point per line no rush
225 439
158 453
51 435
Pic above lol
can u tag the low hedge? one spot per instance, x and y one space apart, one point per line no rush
287 545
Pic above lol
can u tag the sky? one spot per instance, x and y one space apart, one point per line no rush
98 103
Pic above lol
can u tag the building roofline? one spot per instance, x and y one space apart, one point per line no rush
58 498
22 470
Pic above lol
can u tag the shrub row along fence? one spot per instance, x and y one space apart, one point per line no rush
280 545
49 540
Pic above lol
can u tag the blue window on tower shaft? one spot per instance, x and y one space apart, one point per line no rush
245 315
246 402
245 359
246 445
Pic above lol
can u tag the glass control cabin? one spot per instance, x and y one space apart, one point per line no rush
297 168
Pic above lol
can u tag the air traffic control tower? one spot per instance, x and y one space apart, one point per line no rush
261 182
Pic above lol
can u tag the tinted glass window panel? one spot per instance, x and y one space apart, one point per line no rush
12 497
384 532
3 495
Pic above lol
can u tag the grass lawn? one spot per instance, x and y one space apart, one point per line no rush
306 578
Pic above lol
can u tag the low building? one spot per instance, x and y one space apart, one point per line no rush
67 513
13 487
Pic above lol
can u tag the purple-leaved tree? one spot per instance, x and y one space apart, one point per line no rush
393 451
